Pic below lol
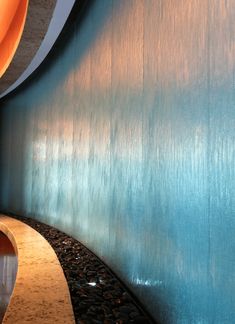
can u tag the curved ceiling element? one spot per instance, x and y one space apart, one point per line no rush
7 13
36 25
12 17
59 17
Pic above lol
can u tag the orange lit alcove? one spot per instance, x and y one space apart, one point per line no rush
12 19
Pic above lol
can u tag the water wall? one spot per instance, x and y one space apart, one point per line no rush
126 141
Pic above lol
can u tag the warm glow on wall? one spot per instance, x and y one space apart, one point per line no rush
12 20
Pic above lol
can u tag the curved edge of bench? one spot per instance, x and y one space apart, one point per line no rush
41 293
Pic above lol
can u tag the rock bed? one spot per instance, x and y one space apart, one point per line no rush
97 295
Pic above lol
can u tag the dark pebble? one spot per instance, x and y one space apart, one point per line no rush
140 320
125 309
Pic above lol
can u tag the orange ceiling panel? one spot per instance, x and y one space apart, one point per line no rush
12 19
7 13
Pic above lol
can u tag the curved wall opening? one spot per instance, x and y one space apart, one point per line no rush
12 18
41 33
8 270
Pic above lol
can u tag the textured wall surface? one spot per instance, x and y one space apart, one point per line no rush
127 143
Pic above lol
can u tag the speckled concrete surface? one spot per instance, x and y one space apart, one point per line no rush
40 293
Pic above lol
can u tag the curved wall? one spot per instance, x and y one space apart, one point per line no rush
126 142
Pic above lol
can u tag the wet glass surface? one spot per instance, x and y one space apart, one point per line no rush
8 269
126 142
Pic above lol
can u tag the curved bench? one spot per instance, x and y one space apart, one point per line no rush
40 294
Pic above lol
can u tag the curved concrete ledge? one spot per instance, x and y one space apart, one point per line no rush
41 294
